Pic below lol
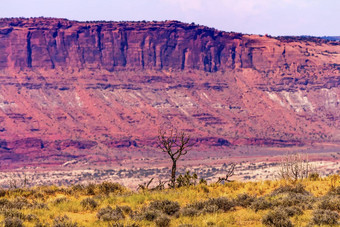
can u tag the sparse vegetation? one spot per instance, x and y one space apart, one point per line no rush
270 203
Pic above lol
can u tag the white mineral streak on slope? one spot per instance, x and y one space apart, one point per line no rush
181 101
298 101
79 102
273 96
4 105
331 98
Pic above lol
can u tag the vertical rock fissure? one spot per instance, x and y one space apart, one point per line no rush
99 42
49 52
183 58
233 56
29 50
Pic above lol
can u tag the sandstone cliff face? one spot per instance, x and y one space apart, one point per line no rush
80 90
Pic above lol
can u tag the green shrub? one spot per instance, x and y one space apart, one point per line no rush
186 180
325 217
276 218
109 214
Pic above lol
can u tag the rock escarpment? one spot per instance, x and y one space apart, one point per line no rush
83 90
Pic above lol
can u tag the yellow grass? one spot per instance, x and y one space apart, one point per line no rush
238 216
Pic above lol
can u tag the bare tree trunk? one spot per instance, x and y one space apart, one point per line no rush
173 174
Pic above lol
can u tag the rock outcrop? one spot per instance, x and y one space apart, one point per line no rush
73 90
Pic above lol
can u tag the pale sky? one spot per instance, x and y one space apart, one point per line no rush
274 17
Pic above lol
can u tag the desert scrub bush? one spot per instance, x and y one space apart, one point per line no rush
2 193
291 211
20 203
109 214
244 200
13 222
261 204
39 224
108 187
313 176
63 221
293 199
165 206
126 209
89 204
297 189
90 189
325 217
11 213
330 203
117 224
77 189
60 200
163 221
334 191
149 215
220 204
276 218
37 205
186 180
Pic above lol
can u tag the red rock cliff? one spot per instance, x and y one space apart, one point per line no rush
74 89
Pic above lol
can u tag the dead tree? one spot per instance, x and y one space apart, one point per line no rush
175 145
295 167
230 172
144 186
